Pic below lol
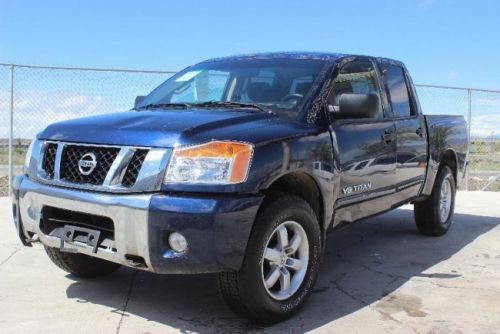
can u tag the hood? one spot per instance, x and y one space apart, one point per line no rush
165 128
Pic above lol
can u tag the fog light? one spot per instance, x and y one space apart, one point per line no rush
177 242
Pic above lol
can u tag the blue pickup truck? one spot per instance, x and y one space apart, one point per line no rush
240 166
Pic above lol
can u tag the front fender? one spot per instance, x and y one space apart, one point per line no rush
310 155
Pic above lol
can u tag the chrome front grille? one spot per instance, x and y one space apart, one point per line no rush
99 167
134 167
49 159
71 156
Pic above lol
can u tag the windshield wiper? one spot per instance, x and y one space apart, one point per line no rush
165 105
230 104
205 104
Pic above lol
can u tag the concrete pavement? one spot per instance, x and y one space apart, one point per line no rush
378 276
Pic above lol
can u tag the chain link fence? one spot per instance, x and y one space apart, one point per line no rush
481 109
32 97
44 95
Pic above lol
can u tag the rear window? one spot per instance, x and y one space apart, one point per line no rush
398 90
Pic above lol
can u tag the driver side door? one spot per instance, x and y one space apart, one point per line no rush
366 146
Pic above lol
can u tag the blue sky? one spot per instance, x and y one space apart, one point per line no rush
443 42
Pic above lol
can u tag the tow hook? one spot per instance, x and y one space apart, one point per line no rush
33 239
136 261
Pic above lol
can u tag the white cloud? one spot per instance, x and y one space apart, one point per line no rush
425 3
453 75
34 110
486 125
489 102
72 101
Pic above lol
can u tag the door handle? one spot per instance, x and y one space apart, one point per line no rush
388 136
420 132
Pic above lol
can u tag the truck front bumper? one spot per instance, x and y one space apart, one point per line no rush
217 228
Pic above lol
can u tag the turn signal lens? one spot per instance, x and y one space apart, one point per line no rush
216 162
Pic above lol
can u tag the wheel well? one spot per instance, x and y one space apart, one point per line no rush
301 185
449 159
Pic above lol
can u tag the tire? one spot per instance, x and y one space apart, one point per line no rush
81 265
245 291
428 214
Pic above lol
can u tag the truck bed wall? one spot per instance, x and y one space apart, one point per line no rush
446 133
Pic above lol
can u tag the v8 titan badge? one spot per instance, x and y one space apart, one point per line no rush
356 188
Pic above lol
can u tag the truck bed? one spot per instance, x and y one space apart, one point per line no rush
445 132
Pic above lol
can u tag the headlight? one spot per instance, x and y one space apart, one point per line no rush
216 162
27 159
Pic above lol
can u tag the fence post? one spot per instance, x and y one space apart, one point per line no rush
469 125
11 128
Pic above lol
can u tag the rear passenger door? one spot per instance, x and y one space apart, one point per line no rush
411 140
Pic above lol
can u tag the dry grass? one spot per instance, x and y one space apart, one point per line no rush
4 185
18 154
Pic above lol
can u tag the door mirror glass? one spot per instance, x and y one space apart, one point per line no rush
355 106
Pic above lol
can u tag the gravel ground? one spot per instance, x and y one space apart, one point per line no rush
4 185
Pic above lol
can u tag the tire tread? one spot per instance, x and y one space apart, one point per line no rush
80 265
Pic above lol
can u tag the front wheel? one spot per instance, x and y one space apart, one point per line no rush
281 264
434 215
80 265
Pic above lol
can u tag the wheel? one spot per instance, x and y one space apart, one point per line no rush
80 265
281 264
434 215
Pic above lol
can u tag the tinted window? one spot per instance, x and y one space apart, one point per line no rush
357 77
398 91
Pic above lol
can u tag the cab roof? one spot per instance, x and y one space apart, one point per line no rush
281 55
326 56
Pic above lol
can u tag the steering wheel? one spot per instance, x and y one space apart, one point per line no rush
294 96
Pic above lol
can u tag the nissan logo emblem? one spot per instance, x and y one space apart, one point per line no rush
87 163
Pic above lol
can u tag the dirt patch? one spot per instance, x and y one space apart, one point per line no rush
4 185
395 303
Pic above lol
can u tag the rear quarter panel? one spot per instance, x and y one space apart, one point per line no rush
445 133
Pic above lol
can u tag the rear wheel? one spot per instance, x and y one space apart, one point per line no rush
435 215
81 265
281 264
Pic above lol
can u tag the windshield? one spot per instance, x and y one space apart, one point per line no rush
271 84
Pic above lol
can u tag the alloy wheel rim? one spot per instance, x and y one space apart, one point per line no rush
445 200
285 260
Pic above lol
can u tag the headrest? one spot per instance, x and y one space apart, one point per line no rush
302 88
259 92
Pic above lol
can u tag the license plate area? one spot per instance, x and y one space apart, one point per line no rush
78 228
72 234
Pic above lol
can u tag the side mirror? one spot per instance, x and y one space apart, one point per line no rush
355 106
138 101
